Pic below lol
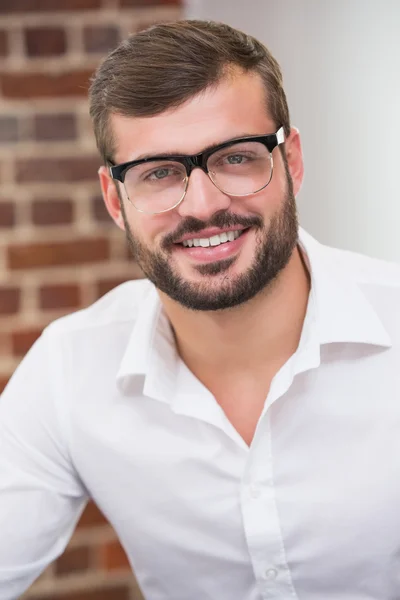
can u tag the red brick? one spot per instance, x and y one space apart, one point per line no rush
99 211
45 85
55 127
60 296
115 592
5 342
45 41
100 38
133 3
74 252
112 556
8 129
106 285
7 214
74 560
22 340
10 6
10 299
91 517
3 382
56 170
3 43
52 212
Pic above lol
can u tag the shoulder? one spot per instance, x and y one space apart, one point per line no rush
89 344
378 280
83 348
117 308
365 270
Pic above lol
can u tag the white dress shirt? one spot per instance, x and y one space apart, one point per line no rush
103 407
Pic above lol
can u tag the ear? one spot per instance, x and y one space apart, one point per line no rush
110 196
294 157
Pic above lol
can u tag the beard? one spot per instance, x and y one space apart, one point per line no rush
221 290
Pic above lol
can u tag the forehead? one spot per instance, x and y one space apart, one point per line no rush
235 107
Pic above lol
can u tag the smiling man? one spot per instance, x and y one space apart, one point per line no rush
221 240
236 414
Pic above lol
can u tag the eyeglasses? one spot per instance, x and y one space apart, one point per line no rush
239 167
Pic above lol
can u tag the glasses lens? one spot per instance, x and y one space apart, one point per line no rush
155 186
242 168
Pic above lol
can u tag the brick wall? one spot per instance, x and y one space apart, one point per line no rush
59 250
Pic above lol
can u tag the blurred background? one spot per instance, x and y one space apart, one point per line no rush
59 250
341 67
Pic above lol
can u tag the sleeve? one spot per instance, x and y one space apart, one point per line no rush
41 495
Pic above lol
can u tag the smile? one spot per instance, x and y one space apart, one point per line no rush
221 246
215 240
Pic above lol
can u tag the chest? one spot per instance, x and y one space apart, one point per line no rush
243 411
242 399
243 396
322 485
320 481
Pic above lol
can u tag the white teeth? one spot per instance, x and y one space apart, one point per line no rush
215 240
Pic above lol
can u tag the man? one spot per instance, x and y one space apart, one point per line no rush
237 415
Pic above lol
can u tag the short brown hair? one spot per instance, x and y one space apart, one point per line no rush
164 66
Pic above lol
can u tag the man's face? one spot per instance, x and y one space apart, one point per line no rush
214 277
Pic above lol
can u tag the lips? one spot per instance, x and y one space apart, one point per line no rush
215 240
209 233
213 253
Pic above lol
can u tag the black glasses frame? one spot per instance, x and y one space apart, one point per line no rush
193 161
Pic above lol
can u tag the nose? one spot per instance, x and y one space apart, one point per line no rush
203 198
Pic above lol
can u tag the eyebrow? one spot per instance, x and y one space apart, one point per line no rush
206 149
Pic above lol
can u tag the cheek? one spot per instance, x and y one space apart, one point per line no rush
267 202
279 182
277 193
151 229
139 225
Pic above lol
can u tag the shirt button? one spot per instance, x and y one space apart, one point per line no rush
270 574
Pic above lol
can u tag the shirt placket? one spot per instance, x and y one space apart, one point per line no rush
261 520
258 498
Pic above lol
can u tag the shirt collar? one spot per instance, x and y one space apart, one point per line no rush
338 311
150 362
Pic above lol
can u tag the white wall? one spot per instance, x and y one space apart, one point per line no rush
341 65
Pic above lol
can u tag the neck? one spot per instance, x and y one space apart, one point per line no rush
262 332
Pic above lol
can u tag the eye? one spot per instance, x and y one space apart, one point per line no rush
236 159
159 174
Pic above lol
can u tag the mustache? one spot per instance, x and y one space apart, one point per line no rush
220 220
